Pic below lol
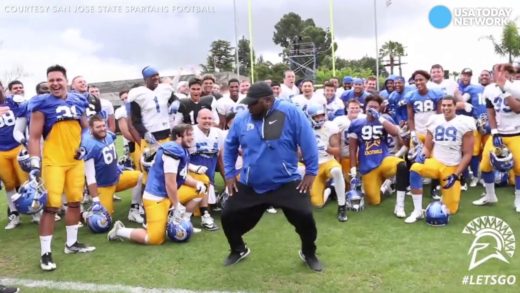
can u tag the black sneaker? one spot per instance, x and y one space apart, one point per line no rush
78 247
235 256
46 262
311 261
4 289
342 213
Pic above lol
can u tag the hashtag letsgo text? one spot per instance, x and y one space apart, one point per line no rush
490 280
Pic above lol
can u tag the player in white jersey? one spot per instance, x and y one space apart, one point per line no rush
308 96
343 123
335 106
288 89
107 109
446 86
328 142
447 152
228 104
503 103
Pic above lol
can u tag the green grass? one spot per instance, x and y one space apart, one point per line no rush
372 252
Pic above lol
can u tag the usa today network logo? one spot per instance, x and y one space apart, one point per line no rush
441 16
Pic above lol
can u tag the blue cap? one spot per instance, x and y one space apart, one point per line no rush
149 71
347 79
357 81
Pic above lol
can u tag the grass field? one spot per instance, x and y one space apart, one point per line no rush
372 252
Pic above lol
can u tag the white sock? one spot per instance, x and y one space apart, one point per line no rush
517 196
490 190
399 201
187 215
137 194
124 232
45 244
72 234
417 202
339 185
326 194
10 202
212 198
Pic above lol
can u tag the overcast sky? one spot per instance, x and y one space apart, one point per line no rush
116 45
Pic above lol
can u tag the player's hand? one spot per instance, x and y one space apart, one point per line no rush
201 187
374 113
201 169
231 185
401 103
96 205
80 153
414 138
421 158
305 184
149 138
497 139
450 180
353 172
35 172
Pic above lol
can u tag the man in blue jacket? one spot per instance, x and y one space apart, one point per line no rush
269 135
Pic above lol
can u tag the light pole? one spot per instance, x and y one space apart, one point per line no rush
377 45
237 65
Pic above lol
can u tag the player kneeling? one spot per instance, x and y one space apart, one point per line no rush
447 151
168 171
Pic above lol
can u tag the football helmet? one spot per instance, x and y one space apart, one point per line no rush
354 198
98 219
483 123
126 163
179 229
222 199
24 160
314 110
502 159
501 179
437 214
415 152
148 158
30 198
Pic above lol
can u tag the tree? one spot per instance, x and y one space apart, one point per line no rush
510 43
244 56
220 57
268 70
291 29
392 50
15 73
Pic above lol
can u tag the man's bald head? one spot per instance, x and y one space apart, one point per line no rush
205 119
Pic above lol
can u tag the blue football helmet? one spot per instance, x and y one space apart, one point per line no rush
222 199
126 163
30 198
179 230
148 158
313 110
98 219
354 198
483 123
437 214
502 159
24 160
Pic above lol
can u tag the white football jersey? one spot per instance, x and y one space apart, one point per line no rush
107 107
343 123
301 101
226 105
207 145
288 93
508 122
323 136
447 137
120 113
447 86
154 106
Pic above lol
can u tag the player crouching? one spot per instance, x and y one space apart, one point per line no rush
168 171
447 151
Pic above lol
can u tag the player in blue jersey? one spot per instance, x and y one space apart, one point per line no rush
58 118
168 173
389 87
103 174
397 101
357 92
369 150
11 174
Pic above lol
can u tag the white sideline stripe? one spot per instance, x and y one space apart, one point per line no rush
90 287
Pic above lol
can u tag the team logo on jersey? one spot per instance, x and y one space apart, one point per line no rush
493 239
373 147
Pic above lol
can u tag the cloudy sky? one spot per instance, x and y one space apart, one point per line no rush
111 45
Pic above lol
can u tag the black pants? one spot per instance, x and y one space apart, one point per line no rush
244 209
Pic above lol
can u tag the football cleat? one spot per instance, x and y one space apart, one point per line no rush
207 222
12 222
399 212
342 213
485 200
46 262
112 234
78 248
30 198
437 214
135 216
502 159
414 216
179 229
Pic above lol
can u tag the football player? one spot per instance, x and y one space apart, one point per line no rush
168 172
79 85
447 151
357 92
369 136
107 109
130 138
10 172
397 102
103 174
190 107
59 118
503 103
308 96
227 104
438 82
288 89
335 107
328 142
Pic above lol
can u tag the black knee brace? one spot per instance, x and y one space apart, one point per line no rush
402 177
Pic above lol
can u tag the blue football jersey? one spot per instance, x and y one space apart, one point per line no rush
103 152
372 141
349 95
398 113
156 184
7 121
426 103
56 109
477 99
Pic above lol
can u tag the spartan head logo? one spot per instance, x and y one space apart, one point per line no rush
493 239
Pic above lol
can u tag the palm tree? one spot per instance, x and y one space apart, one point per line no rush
393 50
510 43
